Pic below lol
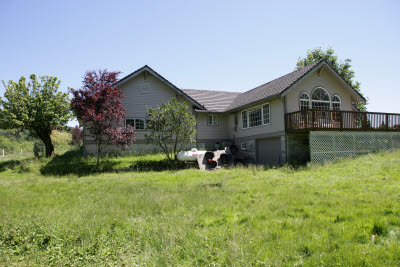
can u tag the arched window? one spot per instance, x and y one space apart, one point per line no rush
336 103
320 99
304 101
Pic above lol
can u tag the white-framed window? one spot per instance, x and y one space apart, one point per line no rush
244 119
336 103
137 123
213 120
304 101
256 116
243 146
266 114
130 122
320 99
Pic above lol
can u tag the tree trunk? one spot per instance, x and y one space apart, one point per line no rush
46 139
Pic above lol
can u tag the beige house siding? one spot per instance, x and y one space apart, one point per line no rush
326 80
135 101
277 123
205 131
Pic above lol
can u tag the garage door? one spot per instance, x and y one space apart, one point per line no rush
269 151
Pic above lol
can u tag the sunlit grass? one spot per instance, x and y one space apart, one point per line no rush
343 213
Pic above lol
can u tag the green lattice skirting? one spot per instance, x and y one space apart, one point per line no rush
330 145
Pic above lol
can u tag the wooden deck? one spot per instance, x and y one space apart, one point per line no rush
335 120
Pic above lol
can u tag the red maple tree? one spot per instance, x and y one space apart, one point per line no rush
98 104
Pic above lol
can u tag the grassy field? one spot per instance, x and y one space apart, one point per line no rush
58 212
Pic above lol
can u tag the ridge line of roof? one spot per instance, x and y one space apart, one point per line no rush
316 63
212 90
311 66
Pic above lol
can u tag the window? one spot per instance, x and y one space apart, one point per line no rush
320 99
336 103
244 119
256 116
243 146
213 120
138 124
266 117
304 101
130 122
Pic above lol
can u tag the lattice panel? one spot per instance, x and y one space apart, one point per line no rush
330 145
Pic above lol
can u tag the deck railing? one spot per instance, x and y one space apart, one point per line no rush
339 120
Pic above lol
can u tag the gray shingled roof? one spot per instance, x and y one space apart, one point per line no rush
215 101
221 101
271 88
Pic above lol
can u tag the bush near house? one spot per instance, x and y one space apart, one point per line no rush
172 127
345 213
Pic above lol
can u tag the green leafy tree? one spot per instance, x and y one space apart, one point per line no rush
343 67
172 127
37 107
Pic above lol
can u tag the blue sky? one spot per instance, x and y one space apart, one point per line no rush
215 45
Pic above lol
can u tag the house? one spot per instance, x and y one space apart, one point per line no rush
306 114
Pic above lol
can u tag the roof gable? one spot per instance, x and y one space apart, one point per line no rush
282 85
145 69
270 89
320 67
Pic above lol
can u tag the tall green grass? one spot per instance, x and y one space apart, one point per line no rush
343 213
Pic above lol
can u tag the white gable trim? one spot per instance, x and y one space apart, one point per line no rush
325 65
162 79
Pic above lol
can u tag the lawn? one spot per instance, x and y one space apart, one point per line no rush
59 212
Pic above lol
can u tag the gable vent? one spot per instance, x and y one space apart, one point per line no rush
144 88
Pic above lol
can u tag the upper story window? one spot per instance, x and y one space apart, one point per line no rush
138 124
256 116
266 115
320 99
244 119
304 101
213 120
336 103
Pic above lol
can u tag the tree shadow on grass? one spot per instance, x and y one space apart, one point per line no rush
157 165
10 165
73 162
